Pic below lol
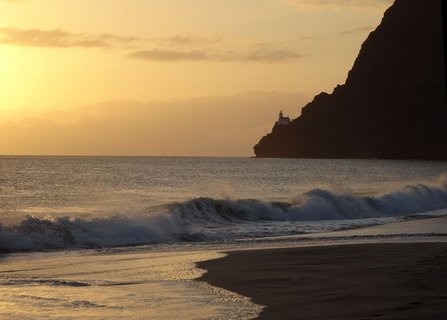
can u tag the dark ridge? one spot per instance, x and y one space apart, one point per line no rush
393 104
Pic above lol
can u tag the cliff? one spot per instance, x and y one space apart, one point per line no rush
393 104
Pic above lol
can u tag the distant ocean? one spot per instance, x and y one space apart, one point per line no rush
61 203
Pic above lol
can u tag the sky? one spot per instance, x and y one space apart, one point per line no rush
167 77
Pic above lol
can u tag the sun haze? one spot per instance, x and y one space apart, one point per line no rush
167 77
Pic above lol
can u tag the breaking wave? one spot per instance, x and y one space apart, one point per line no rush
213 219
34 233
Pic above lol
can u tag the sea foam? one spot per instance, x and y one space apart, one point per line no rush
216 219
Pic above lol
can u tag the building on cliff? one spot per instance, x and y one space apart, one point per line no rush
393 104
282 121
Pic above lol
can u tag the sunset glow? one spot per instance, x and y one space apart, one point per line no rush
74 69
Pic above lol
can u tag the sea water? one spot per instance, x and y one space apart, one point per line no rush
107 237
114 285
96 202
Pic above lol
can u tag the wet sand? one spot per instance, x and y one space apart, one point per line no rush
356 281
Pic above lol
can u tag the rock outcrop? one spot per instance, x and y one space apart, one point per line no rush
393 104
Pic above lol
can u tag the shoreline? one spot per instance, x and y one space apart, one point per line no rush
349 281
153 281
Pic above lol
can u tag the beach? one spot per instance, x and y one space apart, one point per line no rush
366 281
277 238
278 159
378 280
391 271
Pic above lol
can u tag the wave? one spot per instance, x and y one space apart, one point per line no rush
48 282
33 233
316 205
218 219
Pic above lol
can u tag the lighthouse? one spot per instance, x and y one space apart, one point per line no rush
282 121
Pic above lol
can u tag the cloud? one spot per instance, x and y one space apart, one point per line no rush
270 55
213 126
169 55
339 4
356 30
166 48
57 38
186 40
309 37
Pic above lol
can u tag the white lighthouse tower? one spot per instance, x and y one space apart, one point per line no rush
282 121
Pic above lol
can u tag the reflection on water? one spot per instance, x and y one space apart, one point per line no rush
98 185
138 285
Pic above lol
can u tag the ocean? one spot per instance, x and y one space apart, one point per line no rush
107 237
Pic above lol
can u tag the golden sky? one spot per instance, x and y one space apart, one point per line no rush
167 77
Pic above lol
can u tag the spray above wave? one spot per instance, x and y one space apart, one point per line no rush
63 232
317 205
212 219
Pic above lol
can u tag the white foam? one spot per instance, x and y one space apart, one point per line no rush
224 219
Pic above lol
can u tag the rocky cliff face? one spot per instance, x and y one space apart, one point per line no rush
393 104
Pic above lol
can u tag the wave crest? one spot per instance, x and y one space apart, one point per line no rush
34 233
215 219
314 205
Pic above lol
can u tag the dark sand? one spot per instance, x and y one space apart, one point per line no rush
365 281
